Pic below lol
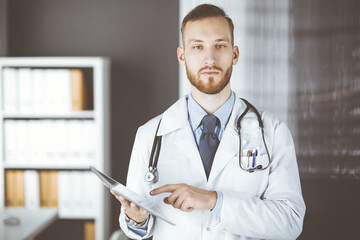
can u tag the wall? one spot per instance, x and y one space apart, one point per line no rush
325 68
140 37
3 28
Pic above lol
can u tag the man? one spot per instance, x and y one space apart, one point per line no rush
201 185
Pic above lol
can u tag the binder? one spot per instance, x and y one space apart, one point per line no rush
38 81
65 208
20 188
9 186
10 90
14 188
11 143
43 188
25 90
77 197
48 188
32 194
53 196
89 230
61 90
78 90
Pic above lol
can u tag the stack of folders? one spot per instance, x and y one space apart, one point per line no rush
77 194
29 90
74 193
54 142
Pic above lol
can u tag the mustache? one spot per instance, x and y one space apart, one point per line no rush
211 68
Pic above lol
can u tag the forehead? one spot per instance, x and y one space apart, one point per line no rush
210 28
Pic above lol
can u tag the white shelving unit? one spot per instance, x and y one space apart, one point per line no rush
100 116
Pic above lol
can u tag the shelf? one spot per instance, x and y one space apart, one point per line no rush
75 217
45 130
54 166
49 62
71 115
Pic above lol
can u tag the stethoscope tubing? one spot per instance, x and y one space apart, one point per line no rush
155 150
261 125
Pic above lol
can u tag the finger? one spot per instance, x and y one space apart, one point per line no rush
189 209
134 207
173 197
181 200
165 188
115 194
123 201
121 198
144 211
186 206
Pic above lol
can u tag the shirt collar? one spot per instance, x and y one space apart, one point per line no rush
196 112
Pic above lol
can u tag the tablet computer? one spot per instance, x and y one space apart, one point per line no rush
130 195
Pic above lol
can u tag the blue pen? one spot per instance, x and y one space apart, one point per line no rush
254 157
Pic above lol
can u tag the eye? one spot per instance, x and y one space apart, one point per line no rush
197 47
220 46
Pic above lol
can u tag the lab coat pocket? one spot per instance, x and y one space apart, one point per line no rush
241 180
253 158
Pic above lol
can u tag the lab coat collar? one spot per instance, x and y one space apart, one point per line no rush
175 117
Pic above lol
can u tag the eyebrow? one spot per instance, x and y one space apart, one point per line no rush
222 40
201 41
195 40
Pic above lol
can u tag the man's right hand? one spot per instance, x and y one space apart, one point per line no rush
133 211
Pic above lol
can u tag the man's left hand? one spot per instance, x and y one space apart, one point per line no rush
187 198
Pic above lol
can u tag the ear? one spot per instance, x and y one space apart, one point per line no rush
181 55
235 55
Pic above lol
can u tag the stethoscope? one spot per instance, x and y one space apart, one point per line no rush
152 175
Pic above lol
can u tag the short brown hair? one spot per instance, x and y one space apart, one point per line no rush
204 11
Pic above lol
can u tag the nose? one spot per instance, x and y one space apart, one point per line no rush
210 58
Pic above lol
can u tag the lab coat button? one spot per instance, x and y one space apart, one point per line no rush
208 229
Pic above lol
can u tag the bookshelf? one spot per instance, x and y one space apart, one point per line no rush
54 123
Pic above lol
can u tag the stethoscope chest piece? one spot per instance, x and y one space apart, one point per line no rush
152 175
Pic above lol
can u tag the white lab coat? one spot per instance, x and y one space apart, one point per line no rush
261 205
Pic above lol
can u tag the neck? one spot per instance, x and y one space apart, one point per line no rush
211 102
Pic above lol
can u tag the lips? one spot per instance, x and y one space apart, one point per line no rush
210 72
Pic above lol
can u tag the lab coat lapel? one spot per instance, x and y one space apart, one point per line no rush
229 144
175 118
190 151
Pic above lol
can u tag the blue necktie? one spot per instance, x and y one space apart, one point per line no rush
209 142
